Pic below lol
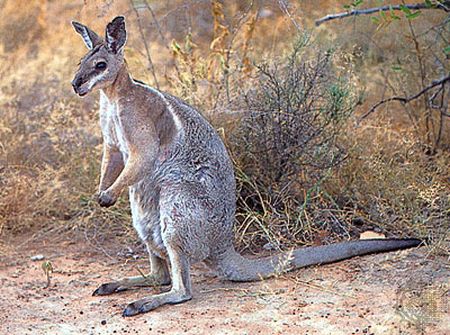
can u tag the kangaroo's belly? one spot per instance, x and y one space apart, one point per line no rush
144 203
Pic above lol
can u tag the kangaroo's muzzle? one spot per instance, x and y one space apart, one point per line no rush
78 88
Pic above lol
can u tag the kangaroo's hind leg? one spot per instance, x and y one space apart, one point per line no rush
159 275
181 285
184 233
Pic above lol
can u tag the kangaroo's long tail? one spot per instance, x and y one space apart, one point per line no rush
235 267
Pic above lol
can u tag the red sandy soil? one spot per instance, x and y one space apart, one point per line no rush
402 292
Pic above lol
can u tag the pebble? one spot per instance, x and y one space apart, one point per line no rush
37 258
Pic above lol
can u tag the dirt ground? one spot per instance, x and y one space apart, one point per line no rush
402 292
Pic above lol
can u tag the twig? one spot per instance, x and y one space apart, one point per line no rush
355 12
433 97
405 100
158 26
285 9
441 116
240 23
159 29
147 50
226 289
418 54
321 288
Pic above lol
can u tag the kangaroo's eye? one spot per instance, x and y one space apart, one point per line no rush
100 66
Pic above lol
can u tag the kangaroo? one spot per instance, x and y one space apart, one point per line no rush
180 180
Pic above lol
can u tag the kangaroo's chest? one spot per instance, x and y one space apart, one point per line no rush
112 127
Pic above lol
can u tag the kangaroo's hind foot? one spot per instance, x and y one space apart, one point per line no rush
158 276
150 303
150 280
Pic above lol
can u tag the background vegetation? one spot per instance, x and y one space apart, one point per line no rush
292 102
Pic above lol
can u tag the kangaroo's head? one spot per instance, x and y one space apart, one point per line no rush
100 66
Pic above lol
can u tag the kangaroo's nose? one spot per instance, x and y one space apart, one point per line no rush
76 84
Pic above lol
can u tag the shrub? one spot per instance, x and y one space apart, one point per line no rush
286 142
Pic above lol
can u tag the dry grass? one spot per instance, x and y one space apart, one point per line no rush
393 185
50 142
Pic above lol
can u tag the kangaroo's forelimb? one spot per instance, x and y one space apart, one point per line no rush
112 166
139 163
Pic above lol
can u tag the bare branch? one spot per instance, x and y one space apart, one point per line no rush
147 50
405 100
284 7
443 6
158 27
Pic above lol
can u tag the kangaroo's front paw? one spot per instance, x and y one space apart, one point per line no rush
105 199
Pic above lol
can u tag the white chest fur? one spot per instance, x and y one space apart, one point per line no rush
112 128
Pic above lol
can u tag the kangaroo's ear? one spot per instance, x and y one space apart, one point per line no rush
90 38
116 35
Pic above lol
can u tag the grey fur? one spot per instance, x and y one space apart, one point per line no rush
181 184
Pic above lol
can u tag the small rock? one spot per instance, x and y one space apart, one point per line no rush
103 322
37 258
79 283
